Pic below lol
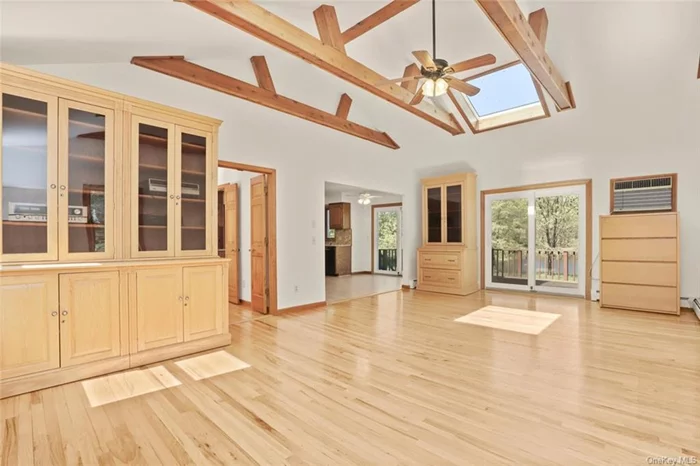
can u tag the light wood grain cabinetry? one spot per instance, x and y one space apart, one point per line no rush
640 262
108 248
90 317
447 262
29 328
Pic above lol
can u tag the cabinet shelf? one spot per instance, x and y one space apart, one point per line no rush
165 198
12 223
162 168
161 227
153 140
87 158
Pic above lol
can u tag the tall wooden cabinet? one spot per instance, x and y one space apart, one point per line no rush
108 238
447 261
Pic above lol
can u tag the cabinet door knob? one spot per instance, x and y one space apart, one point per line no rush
53 186
64 313
177 197
54 313
63 188
179 298
187 298
172 196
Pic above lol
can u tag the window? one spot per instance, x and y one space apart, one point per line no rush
509 95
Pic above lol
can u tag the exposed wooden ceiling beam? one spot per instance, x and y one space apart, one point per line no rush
328 27
260 23
378 17
344 107
515 29
539 22
178 67
262 73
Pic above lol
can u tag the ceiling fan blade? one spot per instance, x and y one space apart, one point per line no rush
462 87
472 63
425 59
417 97
386 82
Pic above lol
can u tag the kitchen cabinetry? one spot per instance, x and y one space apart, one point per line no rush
339 215
108 233
447 261
338 260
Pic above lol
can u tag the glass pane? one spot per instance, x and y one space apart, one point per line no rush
86 181
504 90
556 231
454 213
509 241
24 175
194 193
387 240
153 188
435 215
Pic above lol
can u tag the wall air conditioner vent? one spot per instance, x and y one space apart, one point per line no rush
648 194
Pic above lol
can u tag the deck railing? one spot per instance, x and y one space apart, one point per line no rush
559 265
387 260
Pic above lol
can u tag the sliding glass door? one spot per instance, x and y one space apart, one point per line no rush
535 240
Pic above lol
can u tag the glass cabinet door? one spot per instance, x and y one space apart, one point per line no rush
153 193
434 214
453 212
28 163
192 194
86 181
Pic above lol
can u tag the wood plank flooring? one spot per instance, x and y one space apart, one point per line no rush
390 380
348 287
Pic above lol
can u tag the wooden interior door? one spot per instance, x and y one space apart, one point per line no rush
203 303
231 239
28 324
258 243
159 307
89 317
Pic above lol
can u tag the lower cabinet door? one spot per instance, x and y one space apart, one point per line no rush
204 301
89 314
28 324
159 304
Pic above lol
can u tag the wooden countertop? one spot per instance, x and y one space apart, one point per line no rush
91 266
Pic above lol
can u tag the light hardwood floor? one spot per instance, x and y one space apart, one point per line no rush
393 379
359 286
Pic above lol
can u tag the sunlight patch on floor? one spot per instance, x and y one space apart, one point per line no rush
124 385
513 320
210 365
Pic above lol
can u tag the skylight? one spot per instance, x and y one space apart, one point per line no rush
503 90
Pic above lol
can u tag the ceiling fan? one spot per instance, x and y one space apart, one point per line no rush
437 73
365 198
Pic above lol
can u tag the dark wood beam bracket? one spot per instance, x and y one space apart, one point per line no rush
178 67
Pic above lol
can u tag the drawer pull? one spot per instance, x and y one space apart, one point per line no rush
451 260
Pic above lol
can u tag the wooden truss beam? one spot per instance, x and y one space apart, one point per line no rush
260 23
344 107
262 73
516 30
178 67
328 28
378 17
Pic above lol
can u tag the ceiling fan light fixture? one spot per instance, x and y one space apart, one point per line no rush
434 88
364 200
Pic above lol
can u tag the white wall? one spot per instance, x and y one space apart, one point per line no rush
242 178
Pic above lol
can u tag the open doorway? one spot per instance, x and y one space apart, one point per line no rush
364 250
247 236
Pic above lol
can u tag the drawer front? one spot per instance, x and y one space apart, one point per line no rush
653 298
639 250
443 278
442 260
640 273
639 226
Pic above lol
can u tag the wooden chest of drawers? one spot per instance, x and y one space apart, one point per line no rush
447 270
639 257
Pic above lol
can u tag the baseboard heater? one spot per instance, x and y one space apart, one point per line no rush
695 304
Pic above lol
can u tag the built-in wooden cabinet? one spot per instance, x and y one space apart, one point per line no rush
89 317
108 240
447 261
339 215
29 328
159 307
